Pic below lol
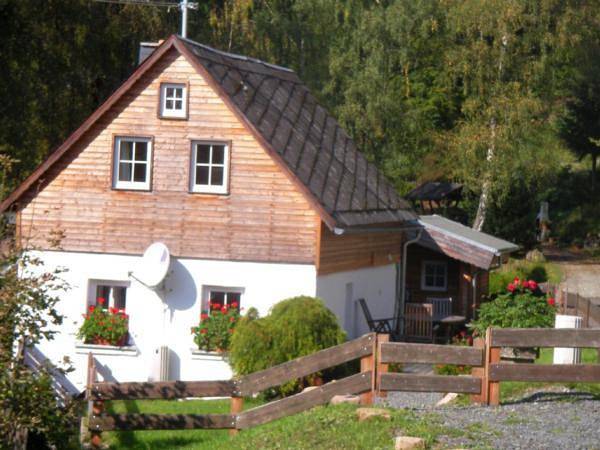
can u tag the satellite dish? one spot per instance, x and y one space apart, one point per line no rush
154 265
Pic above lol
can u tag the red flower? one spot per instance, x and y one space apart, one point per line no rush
101 300
235 305
203 316
215 305
91 308
516 281
551 301
533 285
511 287
203 331
224 309
232 319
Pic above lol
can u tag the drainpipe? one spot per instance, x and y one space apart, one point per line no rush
401 301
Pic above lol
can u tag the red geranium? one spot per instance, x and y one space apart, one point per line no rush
203 316
224 309
101 300
235 305
511 287
551 301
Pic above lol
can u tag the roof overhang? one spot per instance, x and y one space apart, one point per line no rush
462 243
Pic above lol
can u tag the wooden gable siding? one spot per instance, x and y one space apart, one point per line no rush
357 250
264 218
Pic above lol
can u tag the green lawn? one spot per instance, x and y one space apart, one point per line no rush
515 389
325 427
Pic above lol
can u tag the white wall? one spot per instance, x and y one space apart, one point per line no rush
263 284
340 291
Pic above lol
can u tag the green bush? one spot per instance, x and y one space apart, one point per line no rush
523 305
295 327
539 272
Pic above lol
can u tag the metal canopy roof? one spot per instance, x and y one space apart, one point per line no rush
463 243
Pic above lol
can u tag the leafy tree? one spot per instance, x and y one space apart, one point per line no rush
28 314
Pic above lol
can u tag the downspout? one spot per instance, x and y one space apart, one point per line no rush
399 310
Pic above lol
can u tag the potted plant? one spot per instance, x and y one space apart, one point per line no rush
104 326
213 334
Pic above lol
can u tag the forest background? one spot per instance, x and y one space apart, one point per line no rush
500 95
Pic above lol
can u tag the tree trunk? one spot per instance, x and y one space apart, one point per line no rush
485 188
594 163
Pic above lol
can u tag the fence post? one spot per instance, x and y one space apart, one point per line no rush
237 406
480 372
587 312
95 408
381 367
367 364
492 357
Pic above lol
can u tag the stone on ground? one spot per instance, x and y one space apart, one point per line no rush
352 399
447 399
409 443
368 413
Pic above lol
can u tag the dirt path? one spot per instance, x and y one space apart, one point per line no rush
580 273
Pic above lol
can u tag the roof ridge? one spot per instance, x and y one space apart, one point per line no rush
235 55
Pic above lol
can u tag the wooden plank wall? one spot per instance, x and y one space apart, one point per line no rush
415 258
265 217
357 250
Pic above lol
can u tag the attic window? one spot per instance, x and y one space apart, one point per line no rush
210 168
173 100
132 163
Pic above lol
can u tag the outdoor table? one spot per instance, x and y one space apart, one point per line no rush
449 322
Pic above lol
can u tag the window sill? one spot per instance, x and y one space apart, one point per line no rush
128 350
208 356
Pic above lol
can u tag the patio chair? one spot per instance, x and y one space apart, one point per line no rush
442 307
418 322
377 325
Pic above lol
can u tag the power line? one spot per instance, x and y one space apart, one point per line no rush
183 5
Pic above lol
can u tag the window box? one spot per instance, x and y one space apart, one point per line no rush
84 349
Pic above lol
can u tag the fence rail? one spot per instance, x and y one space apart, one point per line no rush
374 378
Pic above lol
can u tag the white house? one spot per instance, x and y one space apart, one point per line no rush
256 190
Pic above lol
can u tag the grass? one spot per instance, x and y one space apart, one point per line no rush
538 271
325 427
510 390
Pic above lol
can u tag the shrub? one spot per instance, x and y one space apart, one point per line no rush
523 305
295 327
104 326
216 327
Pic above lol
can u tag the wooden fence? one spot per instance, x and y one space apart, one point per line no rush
374 378
361 383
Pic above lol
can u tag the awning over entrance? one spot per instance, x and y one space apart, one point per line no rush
463 243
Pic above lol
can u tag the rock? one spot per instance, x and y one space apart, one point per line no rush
352 399
535 256
409 443
368 413
447 399
310 388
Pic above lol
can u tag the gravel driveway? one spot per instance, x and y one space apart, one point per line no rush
550 421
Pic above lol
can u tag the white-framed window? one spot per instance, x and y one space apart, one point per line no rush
434 276
107 294
132 163
173 100
215 297
209 172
